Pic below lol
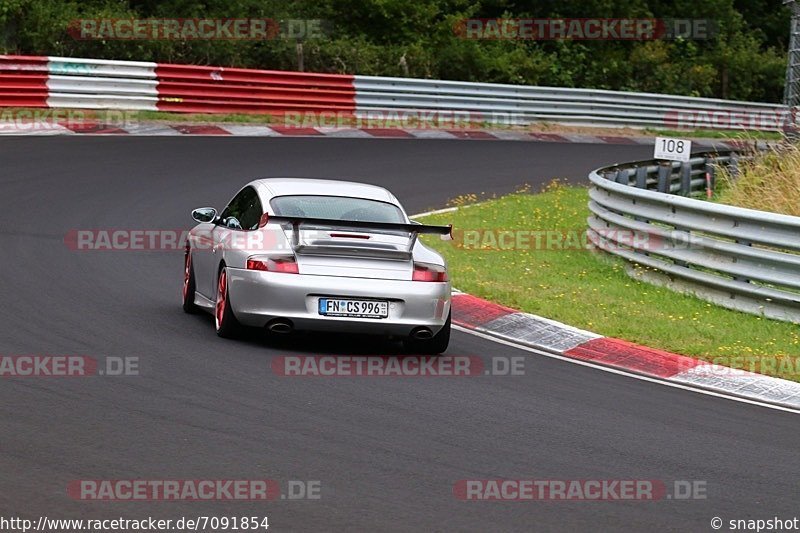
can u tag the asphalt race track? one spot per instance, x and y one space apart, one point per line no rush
387 451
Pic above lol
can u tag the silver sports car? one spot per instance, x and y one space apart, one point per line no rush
307 254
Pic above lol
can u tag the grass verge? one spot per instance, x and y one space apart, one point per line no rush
768 182
592 291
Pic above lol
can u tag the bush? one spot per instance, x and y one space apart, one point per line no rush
745 60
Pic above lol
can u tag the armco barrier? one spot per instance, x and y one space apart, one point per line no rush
523 104
196 89
59 82
738 258
23 81
105 84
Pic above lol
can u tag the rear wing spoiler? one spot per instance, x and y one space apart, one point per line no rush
419 229
446 232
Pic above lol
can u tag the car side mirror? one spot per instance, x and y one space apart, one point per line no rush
204 214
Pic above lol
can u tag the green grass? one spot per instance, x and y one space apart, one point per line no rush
238 118
590 290
718 134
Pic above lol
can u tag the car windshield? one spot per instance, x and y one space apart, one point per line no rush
336 208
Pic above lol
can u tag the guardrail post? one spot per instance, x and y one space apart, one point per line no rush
686 179
623 176
641 183
641 177
611 175
664 172
711 177
733 165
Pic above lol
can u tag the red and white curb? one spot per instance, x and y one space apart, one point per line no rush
243 130
529 330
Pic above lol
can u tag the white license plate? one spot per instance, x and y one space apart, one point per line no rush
354 308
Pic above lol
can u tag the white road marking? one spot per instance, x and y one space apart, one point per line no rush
625 373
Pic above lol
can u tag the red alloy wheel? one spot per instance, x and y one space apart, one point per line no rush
187 269
222 296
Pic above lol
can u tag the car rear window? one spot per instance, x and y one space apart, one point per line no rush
336 208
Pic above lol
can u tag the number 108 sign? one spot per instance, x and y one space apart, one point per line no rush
672 149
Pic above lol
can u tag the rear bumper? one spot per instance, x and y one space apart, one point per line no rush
259 297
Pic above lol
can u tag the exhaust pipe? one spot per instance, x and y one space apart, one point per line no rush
421 333
280 326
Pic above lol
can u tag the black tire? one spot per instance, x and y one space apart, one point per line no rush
435 345
188 285
224 320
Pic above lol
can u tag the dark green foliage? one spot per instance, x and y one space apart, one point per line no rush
745 60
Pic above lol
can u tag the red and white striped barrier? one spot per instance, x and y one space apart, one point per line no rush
58 82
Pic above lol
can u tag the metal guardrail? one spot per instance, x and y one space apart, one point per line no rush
738 258
524 104
58 82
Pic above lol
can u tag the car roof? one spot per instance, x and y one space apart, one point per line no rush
321 187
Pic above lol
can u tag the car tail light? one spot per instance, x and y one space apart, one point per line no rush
429 272
274 263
